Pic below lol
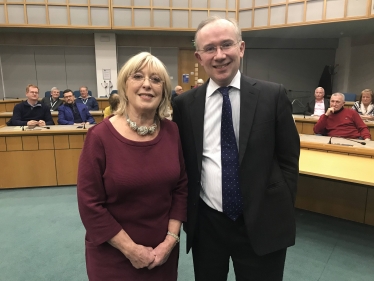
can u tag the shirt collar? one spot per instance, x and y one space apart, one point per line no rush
85 98
212 86
35 105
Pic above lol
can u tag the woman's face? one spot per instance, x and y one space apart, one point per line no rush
366 98
144 92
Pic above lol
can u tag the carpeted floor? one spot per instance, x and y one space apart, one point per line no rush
42 238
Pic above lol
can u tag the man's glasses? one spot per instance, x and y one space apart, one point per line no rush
140 78
210 49
67 97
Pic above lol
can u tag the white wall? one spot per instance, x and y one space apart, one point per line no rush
105 58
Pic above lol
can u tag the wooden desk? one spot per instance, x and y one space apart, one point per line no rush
98 115
40 157
336 180
349 104
8 105
305 125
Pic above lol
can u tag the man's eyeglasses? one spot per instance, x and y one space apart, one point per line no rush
154 80
67 97
210 49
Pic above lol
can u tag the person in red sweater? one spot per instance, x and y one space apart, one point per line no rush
341 122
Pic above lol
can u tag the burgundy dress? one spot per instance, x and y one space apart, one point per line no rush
130 185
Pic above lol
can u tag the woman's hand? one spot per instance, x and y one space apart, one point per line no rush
140 256
162 251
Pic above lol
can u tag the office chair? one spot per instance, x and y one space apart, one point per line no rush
350 96
114 92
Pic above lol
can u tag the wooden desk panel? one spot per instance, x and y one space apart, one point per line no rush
27 169
67 166
334 198
369 216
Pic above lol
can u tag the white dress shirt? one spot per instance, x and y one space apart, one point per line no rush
211 173
319 108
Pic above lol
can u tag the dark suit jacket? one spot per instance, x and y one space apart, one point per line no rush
269 149
66 116
47 102
311 103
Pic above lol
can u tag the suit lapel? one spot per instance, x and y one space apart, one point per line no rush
196 113
248 102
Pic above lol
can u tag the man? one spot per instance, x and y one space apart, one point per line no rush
241 151
72 113
31 112
341 122
199 82
318 105
53 102
86 99
178 90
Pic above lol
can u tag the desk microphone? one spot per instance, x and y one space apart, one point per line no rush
300 104
360 142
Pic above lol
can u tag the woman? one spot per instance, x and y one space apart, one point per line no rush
365 106
113 104
132 185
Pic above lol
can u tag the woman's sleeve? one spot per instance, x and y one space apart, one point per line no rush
178 210
99 223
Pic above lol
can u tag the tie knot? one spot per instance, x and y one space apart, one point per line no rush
224 90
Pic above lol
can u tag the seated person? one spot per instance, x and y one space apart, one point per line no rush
177 91
199 82
341 122
365 106
113 104
31 112
318 105
85 98
53 102
72 113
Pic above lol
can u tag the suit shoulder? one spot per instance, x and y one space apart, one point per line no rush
261 83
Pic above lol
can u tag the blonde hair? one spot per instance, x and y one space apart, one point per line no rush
155 66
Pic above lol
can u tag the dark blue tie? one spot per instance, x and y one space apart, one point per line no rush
232 202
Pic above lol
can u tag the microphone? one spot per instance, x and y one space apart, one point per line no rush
360 142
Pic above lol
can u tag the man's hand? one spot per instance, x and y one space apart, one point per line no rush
32 123
41 123
329 111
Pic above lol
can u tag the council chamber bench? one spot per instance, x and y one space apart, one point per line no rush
333 180
7 106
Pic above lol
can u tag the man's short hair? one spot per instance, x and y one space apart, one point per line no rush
54 89
83 87
31 86
67 91
339 94
238 31
320 88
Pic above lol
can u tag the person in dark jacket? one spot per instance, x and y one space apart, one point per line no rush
54 101
31 112
72 113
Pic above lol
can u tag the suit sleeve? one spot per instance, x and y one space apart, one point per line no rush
61 117
287 144
99 223
89 118
308 108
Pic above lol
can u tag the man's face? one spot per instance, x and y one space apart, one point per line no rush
55 94
33 94
336 102
179 90
221 65
84 92
69 98
319 93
